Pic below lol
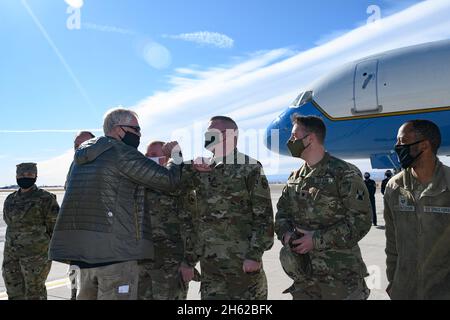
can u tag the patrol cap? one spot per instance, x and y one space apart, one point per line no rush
29 167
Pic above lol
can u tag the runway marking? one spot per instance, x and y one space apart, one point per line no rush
55 284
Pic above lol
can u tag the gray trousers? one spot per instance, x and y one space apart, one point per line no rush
114 282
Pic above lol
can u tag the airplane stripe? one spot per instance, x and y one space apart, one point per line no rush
381 115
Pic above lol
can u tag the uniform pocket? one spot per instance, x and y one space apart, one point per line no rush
118 281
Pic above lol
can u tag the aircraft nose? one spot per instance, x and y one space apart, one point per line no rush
278 133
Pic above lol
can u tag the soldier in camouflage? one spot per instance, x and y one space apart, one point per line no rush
30 214
235 217
170 220
323 212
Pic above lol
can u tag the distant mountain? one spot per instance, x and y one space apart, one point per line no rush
14 187
278 178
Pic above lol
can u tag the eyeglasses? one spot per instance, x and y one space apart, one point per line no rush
135 128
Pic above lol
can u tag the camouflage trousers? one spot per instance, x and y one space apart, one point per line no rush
222 282
328 289
25 276
161 281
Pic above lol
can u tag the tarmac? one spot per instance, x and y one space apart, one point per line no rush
372 247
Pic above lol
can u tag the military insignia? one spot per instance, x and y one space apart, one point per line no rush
402 201
403 205
436 209
323 180
405 208
264 183
360 195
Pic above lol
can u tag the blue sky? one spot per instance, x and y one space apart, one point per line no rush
53 78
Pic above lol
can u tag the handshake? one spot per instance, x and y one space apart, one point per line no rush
172 150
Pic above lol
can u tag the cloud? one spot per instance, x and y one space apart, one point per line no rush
331 36
205 38
103 28
155 54
50 131
257 88
54 171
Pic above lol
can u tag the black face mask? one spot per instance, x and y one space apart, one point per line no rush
404 154
131 139
26 183
366 176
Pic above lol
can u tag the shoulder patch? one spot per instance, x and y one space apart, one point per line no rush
360 193
396 181
45 193
11 196
342 167
265 183
247 159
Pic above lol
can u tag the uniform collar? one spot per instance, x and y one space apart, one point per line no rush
439 183
27 194
234 157
323 162
318 167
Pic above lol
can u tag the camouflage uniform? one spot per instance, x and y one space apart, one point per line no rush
331 199
159 279
235 222
30 219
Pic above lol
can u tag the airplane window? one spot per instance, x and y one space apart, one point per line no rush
302 99
296 101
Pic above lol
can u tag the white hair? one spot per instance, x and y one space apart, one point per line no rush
117 116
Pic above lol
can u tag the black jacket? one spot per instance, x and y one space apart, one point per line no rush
384 184
102 217
371 187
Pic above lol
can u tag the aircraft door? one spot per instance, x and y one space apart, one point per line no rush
365 88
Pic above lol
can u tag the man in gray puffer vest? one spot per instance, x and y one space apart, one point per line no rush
101 226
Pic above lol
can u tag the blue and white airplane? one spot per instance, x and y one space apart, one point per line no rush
363 103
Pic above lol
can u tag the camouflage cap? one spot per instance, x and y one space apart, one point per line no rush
26 168
296 266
